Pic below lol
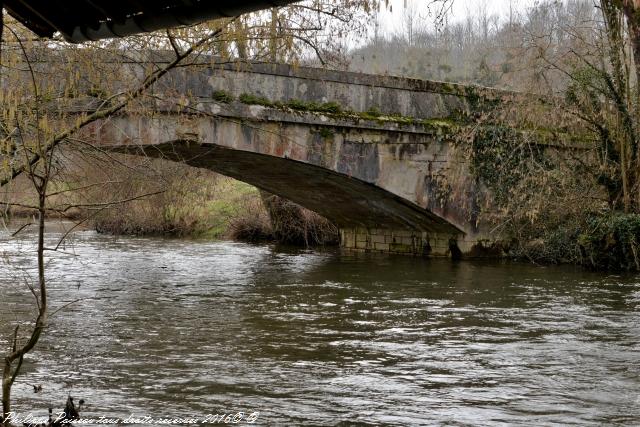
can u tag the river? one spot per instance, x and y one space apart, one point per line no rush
319 337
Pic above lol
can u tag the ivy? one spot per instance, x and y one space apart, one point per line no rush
612 242
500 160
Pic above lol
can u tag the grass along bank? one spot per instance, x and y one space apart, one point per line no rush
125 195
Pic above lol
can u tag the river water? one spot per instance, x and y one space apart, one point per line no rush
176 328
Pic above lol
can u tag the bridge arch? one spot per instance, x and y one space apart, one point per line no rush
374 154
372 184
346 200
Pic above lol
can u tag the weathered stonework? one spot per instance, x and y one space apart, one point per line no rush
403 242
391 185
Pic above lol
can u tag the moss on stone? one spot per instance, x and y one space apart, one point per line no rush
222 96
247 98
331 107
334 109
327 107
439 123
296 104
372 113
325 133
399 118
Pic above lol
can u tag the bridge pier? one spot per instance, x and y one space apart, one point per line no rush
418 243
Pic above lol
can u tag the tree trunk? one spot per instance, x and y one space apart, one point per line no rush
631 11
6 390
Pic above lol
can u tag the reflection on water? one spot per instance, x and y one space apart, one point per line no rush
174 327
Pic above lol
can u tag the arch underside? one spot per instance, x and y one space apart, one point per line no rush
346 201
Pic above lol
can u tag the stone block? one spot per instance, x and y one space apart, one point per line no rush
378 238
363 245
400 248
402 233
348 240
382 247
407 241
362 237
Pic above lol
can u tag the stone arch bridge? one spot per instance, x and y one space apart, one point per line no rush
368 152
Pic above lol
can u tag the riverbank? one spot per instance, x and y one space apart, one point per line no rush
168 199
206 207
148 197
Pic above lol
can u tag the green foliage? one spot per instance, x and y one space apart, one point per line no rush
195 204
372 113
247 98
335 109
330 107
612 242
297 104
294 104
501 161
550 243
327 107
585 88
592 92
222 96
325 132
537 196
399 118
228 204
438 124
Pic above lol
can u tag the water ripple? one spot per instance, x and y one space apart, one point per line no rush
319 337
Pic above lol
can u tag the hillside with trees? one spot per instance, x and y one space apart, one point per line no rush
582 59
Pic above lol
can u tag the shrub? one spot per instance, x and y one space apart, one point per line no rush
296 104
295 225
222 96
612 242
371 114
330 107
251 223
180 210
247 98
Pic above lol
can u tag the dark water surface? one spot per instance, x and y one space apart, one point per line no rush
182 328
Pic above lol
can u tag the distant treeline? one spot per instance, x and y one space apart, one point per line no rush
507 52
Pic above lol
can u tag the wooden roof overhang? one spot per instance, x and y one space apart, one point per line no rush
84 20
